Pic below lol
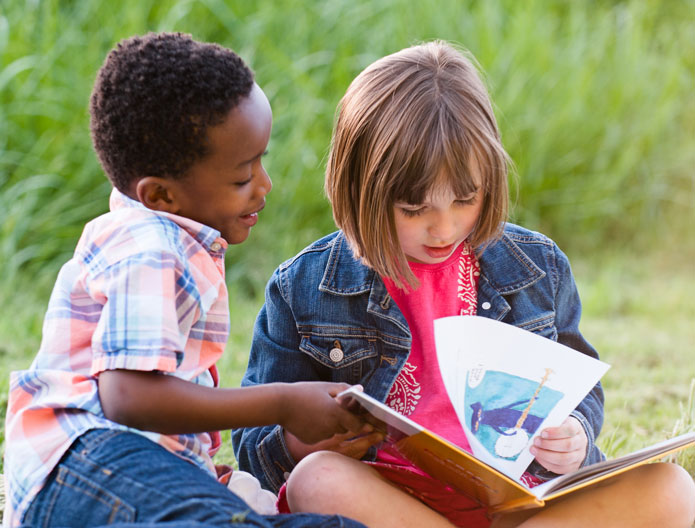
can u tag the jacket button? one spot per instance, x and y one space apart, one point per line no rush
486 305
336 355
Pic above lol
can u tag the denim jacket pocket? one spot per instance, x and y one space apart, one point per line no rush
543 325
346 353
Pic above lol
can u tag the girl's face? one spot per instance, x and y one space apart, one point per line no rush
430 232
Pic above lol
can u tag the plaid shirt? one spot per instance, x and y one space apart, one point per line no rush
144 291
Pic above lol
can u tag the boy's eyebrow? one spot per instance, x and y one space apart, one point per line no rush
246 162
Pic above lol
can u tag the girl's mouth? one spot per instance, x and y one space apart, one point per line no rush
439 252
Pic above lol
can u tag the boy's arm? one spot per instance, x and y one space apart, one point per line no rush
165 404
272 452
275 356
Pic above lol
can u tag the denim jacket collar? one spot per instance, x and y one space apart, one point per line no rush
345 275
505 269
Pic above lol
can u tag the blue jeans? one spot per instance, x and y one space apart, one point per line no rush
118 478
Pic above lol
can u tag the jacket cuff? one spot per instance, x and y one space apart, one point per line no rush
593 453
275 459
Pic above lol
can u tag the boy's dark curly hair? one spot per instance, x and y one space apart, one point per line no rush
154 99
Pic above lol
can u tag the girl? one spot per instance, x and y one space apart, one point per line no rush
417 177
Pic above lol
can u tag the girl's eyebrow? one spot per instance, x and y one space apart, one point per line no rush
400 203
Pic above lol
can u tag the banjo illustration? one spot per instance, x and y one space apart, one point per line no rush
513 424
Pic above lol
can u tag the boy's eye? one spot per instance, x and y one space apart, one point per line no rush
243 182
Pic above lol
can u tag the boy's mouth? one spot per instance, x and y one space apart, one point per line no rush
251 218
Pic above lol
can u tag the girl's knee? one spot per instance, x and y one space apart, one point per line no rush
320 481
671 488
679 490
671 479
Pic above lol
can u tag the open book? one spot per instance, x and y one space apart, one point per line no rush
506 385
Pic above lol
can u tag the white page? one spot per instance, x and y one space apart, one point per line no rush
507 385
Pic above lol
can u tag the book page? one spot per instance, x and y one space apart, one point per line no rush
613 466
507 385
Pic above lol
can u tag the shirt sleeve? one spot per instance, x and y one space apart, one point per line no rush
148 304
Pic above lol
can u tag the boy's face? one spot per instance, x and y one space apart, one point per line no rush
226 189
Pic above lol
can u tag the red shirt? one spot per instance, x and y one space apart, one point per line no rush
445 289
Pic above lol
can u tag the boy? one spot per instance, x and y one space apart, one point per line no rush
110 423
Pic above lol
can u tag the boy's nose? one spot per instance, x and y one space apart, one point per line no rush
265 184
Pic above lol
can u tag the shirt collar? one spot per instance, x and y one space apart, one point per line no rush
207 236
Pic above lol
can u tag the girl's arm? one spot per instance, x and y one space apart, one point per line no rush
165 404
573 444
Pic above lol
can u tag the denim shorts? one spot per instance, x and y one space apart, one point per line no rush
119 479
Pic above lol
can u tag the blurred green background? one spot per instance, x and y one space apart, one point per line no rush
594 100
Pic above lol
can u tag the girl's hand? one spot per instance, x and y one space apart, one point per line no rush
311 413
561 449
348 444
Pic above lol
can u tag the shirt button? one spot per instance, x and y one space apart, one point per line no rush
486 305
215 246
336 355
286 475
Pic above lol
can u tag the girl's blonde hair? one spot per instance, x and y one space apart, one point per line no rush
412 119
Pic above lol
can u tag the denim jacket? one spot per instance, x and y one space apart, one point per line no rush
324 298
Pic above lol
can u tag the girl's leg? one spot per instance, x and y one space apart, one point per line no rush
327 482
653 495
121 477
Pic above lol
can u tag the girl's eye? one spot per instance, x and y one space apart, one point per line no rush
412 212
468 200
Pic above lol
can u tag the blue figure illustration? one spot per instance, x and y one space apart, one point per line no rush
504 418
500 416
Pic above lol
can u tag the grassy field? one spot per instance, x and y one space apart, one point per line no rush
595 104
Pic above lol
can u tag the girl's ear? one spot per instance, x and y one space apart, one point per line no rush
158 194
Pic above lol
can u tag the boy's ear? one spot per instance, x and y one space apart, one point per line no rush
158 194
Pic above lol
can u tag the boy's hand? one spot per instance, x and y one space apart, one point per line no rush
561 449
311 413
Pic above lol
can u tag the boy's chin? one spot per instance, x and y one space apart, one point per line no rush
236 238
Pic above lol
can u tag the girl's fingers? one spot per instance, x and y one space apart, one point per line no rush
357 447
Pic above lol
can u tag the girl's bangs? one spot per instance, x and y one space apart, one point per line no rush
438 157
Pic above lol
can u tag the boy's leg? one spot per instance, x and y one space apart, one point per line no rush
648 496
328 482
121 477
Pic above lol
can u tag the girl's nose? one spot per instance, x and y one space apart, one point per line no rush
443 227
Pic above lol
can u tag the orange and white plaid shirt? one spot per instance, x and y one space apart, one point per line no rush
144 291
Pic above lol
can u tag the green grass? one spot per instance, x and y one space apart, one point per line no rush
593 99
595 104
639 310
